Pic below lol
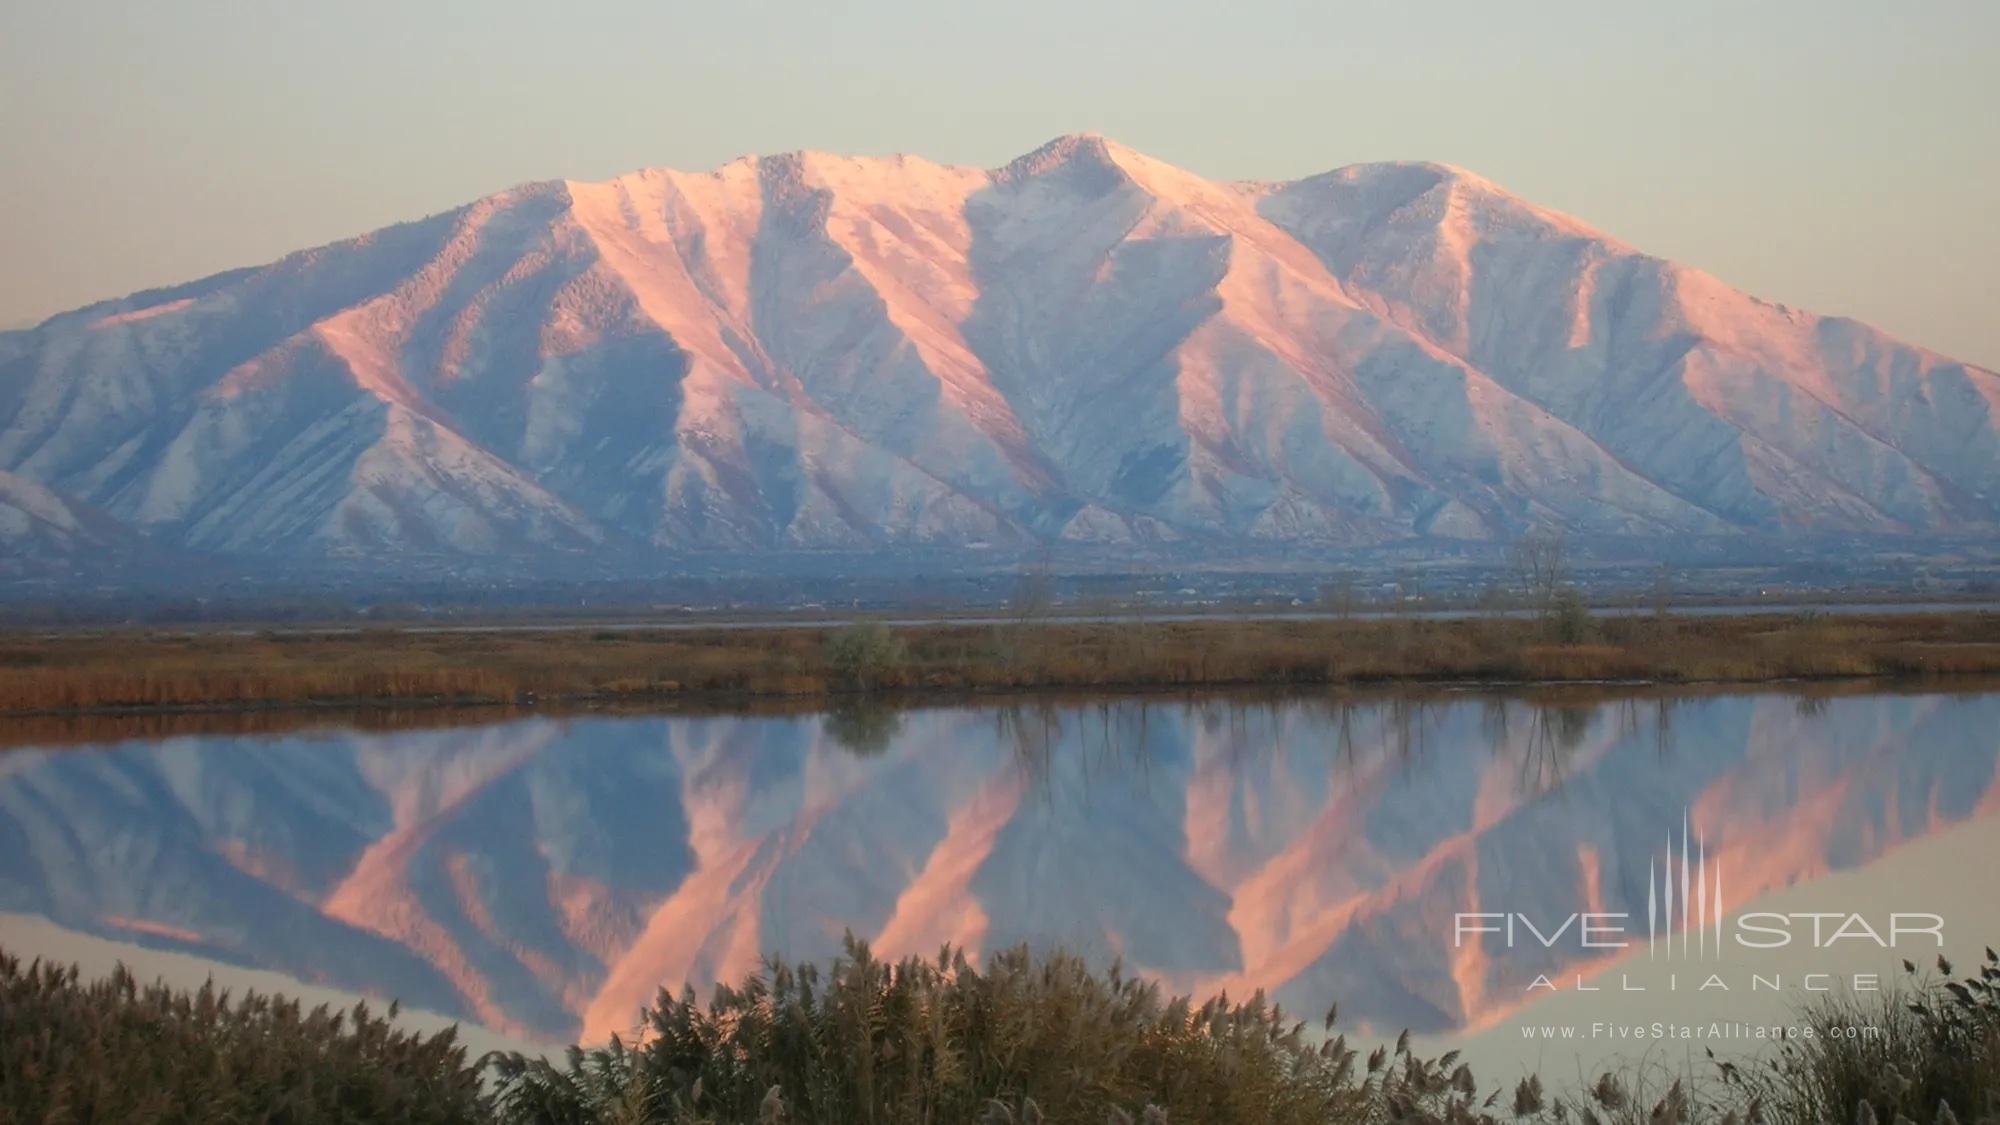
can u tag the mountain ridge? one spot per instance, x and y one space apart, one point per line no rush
1086 345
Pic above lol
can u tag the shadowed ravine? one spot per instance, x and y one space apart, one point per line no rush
544 876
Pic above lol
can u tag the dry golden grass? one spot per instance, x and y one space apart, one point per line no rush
138 671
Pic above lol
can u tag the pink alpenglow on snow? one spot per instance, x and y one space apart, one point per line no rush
1088 345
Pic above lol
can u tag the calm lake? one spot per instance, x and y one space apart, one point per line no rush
1482 870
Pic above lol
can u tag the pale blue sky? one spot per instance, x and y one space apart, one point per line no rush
1837 155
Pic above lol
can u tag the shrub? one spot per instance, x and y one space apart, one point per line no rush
862 656
1568 618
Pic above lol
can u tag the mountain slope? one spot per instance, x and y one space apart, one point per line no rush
810 352
1767 416
43 532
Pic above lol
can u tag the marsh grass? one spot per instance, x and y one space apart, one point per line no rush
118 1051
1033 1040
1936 1060
1022 1040
137 671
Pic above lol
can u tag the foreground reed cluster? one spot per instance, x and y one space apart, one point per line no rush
1023 1040
1937 1059
118 1051
1019 1040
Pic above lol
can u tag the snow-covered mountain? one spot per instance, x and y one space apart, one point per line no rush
545 877
1088 345
43 533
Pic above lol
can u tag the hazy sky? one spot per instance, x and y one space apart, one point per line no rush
1838 155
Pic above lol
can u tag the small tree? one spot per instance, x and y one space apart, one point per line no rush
1568 618
1541 563
862 655
1035 588
1336 594
1662 593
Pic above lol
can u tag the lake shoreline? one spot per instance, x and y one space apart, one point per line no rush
140 673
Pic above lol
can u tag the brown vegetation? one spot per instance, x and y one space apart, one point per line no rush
1020 1040
117 1050
113 671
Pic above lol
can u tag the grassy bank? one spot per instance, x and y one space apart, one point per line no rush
105 671
1017 1041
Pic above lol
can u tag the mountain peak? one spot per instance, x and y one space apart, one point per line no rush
1449 191
1087 142
812 351
1071 150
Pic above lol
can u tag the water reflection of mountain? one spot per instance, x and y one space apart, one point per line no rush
545 876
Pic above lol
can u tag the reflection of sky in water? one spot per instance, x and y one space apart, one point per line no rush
545 876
